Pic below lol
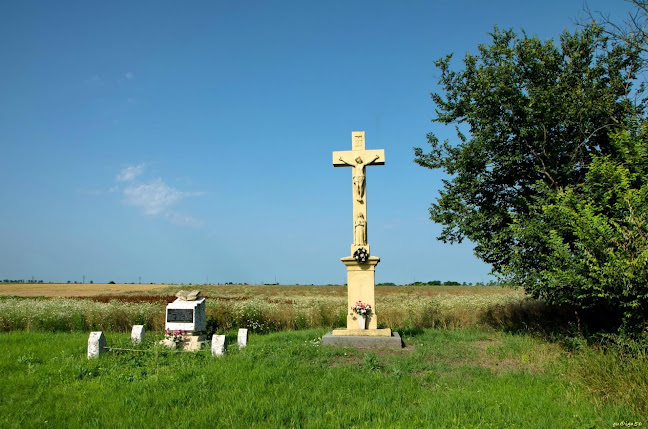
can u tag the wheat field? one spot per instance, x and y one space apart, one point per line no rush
72 289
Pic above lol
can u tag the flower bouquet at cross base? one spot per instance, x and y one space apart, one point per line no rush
361 308
174 336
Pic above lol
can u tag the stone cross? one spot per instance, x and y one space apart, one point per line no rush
358 158
360 271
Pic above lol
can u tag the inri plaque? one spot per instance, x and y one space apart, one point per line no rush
180 315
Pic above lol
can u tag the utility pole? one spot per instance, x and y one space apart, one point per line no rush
83 282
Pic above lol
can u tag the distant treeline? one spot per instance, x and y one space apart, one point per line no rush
37 281
442 283
430 283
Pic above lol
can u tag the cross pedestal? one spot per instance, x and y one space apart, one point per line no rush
361 266
360 285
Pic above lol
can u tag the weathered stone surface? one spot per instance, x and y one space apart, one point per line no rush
363 342
168 343
185 295
137 334
96 344
218 345
360 281
188 343
193 295
193 343
242 338
386 332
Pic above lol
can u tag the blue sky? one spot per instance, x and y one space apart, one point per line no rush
191 141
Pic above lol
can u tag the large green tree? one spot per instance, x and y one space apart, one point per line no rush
530 115
587 245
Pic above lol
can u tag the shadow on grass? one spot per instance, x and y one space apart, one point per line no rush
410 332
566 325
531 316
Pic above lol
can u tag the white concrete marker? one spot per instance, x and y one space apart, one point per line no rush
96 344
137 334
242 338
218 345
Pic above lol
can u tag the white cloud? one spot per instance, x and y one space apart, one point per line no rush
154 198
129 173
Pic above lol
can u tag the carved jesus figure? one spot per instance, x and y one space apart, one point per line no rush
359 174
360 231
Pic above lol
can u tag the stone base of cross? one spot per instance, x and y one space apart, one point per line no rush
361 265
361 286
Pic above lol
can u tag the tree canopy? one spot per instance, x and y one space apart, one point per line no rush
535 121
587 245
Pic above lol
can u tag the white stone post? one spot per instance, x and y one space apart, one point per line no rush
137 334
96 344
242 338
218 345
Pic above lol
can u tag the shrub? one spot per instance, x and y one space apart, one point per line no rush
587 246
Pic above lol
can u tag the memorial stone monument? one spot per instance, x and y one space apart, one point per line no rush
186 317
361 265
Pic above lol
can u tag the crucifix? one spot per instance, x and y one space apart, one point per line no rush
358 159
361 264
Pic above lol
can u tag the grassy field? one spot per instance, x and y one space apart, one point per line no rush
474 357
442 379
259 308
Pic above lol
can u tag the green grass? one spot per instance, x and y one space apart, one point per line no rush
443 378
